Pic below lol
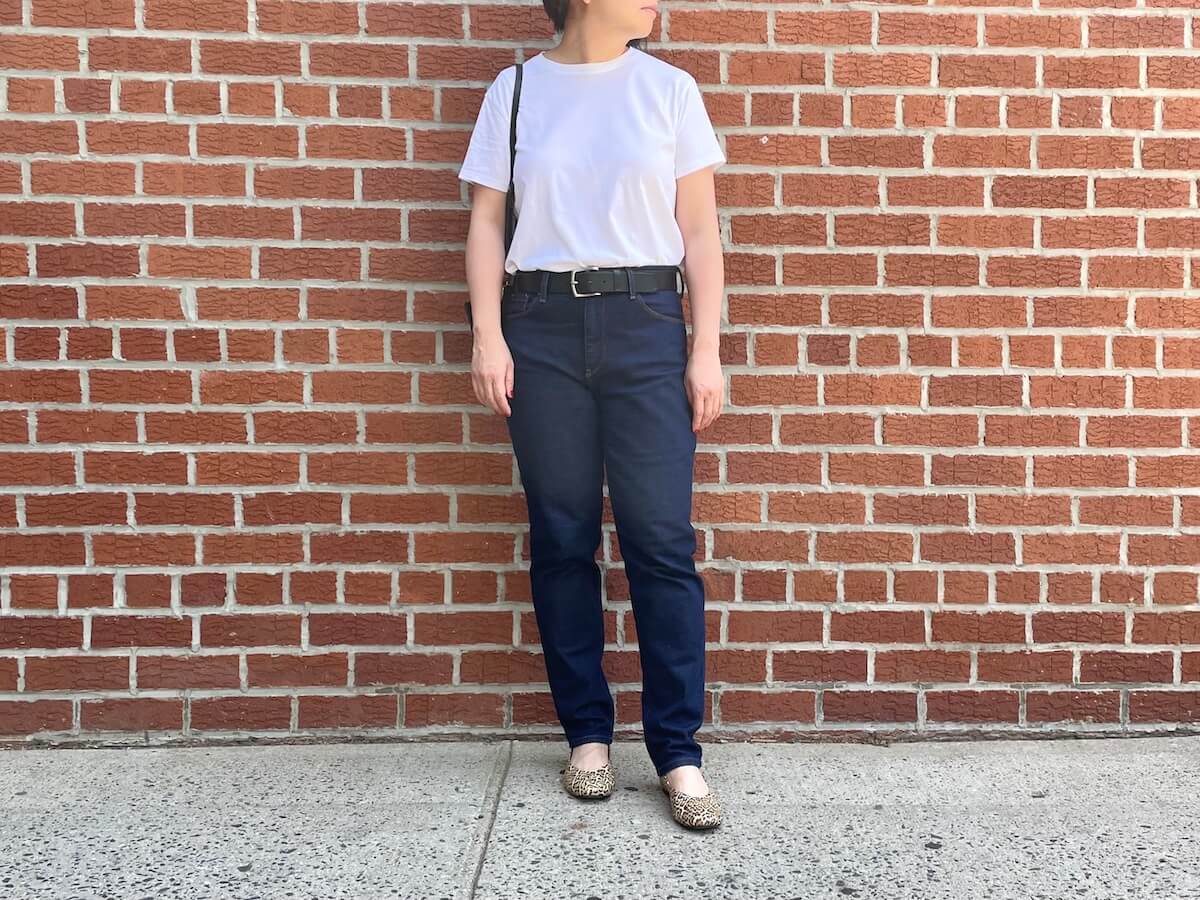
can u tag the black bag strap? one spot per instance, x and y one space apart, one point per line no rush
510 211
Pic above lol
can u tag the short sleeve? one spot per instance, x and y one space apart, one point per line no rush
696 144
487 159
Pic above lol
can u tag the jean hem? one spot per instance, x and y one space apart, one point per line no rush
588 739
675 763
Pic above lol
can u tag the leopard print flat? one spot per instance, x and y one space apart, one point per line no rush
691 811
589 784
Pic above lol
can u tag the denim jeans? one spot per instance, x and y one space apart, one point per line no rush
598 391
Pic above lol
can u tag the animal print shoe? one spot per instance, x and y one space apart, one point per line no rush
589 784
691 811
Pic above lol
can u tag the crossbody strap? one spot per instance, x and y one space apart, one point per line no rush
511 203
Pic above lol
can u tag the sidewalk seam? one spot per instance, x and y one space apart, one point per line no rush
491 803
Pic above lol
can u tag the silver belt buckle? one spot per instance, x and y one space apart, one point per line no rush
575 287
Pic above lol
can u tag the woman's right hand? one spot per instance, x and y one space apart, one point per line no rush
492 371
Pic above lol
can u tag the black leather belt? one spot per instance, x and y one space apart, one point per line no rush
596 280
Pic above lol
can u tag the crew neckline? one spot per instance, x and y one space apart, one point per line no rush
603 65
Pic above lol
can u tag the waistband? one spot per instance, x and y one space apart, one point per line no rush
595 280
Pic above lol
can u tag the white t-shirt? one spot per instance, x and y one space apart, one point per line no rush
599 146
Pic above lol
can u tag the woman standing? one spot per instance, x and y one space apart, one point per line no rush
587 357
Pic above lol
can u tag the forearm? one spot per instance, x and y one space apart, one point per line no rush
704 269
485 275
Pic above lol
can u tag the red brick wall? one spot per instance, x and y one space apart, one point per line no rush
245 486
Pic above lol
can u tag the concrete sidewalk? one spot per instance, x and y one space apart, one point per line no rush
1003 819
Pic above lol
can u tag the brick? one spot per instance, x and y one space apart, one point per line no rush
199 262
356 142
195 428
249 58
358 60
298 17
31 468
137 138
134 219
390 19
248 303
31 95
187 180
197 98
293 264
136 54
183 15
248 140
253 549
83 13
52 510
251 222
143 96
249 388
88 95
301 508
39 386
90 260
152 386
252 99
306 100
10 178
52 550
304 182
247 468
82 178
30 51
93 426
18 301
125 467
26 138
132 302
341 224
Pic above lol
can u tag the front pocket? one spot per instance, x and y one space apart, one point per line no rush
518 305
665 304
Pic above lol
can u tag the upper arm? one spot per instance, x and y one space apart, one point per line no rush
487 161
696 144
697 156
696 201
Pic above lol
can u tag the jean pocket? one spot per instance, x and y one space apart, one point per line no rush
518 304
665 304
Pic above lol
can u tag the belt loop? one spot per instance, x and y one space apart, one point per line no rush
632 284
545 283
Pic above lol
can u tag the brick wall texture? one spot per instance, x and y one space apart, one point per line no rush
245 486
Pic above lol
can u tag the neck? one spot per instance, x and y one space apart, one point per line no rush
580 46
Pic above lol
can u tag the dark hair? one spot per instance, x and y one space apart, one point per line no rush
557 11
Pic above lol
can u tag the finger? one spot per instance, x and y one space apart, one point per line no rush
696 407
503 392
493 389
711 407
707 412
477 389
714 409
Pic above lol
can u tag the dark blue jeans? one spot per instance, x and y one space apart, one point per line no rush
598 390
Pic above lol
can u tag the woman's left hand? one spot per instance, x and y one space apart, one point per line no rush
705 387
